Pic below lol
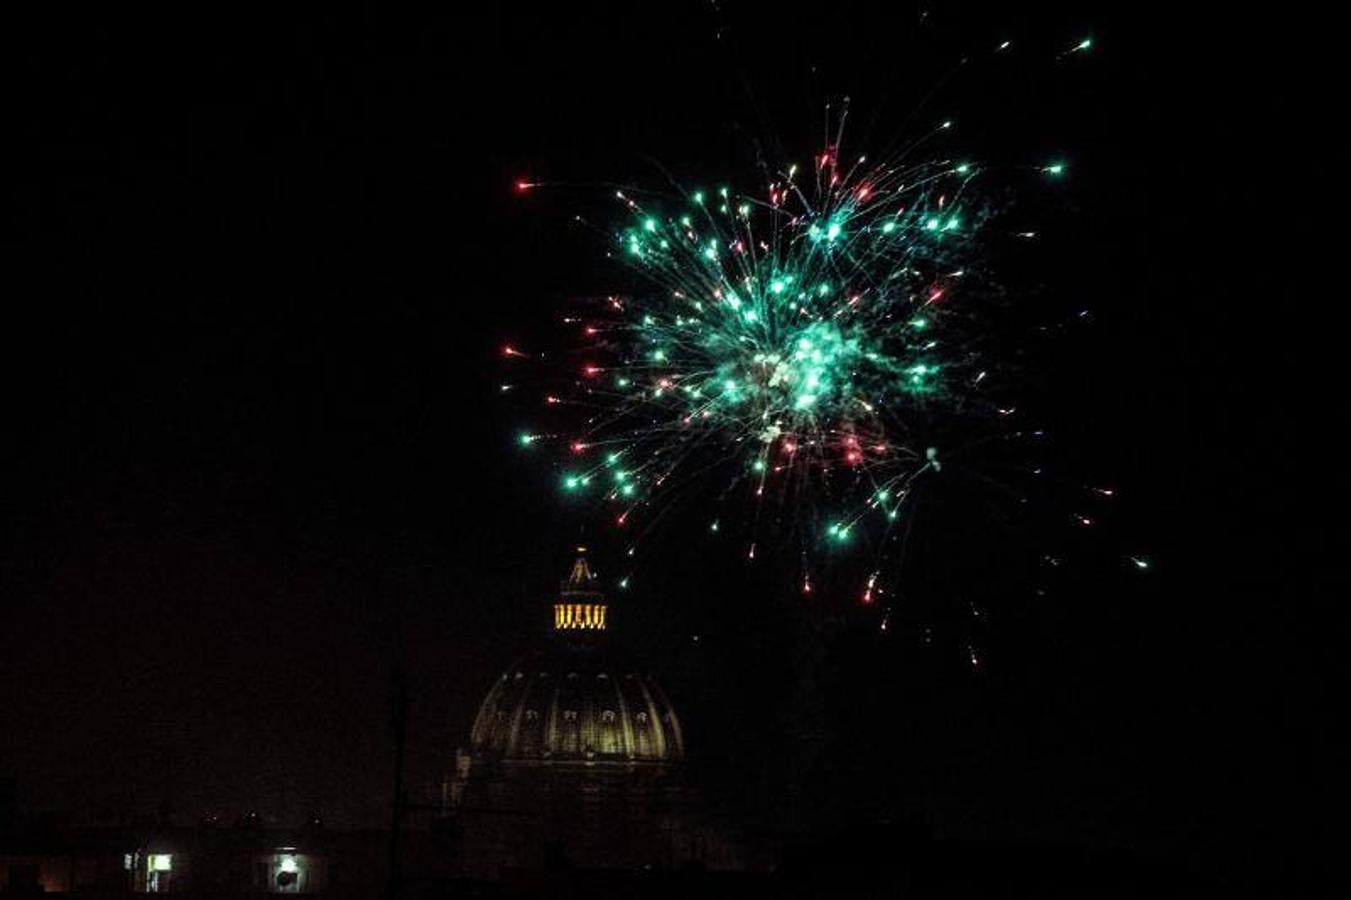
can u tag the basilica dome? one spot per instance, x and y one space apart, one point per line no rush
575 700
575 704
576 753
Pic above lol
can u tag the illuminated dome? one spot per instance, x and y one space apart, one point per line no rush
574 701
576 754
576 705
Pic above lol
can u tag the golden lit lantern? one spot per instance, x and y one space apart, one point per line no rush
573 616
581 606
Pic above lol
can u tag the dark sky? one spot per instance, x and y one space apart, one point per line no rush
258 271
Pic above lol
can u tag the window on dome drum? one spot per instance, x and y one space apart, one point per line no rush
579 616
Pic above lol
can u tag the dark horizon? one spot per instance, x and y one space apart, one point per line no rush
262 272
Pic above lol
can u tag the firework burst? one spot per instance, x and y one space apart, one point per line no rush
801 352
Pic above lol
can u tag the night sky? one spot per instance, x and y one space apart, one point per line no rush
258 272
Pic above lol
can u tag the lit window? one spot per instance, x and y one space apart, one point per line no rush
286 875
157 869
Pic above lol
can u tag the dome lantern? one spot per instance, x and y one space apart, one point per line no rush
580 606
